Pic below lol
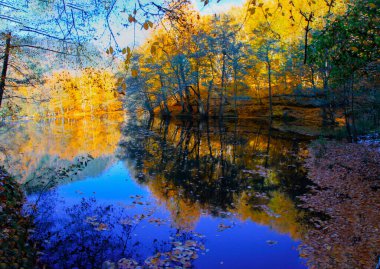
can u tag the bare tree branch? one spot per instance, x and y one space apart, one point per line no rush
7 18
42 48
28 29
11 7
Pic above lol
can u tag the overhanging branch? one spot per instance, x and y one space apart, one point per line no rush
43 48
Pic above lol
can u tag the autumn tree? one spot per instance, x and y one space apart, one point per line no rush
344 52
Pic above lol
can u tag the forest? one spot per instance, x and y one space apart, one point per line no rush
251 61
163 134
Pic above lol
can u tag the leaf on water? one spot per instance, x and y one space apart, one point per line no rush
272 242
126 222
190 243
127 264
222 227
157 221
102 227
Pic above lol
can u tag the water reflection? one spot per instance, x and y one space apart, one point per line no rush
238 168
38 152
91 234
157 193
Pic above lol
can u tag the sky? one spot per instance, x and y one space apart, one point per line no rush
126 35
214 7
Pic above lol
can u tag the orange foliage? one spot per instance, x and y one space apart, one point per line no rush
28 147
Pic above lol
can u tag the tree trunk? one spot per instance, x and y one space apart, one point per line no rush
221 112
312 77
270 91
306 43
186 89
269 86
346 116
148 104
285 83
165 111
210 85
325 120
354 131
309 19
180 89
5 66
235 92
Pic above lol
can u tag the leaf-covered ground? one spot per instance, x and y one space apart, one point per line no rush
16 250
346 198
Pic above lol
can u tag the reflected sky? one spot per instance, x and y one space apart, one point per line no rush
244 245
222 195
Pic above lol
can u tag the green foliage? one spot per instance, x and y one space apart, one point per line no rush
346 53
350 41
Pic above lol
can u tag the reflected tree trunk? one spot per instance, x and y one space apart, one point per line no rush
209 140
221 105
268 145
235 92
234 142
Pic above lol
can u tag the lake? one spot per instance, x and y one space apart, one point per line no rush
118 192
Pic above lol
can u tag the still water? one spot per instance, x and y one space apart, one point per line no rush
117 192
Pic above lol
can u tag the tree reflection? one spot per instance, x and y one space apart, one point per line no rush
90 234
232 167
59 151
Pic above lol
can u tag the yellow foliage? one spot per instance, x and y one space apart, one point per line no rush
258 38
91 91
59 139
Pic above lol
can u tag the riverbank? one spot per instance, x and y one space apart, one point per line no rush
345 197
16 249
